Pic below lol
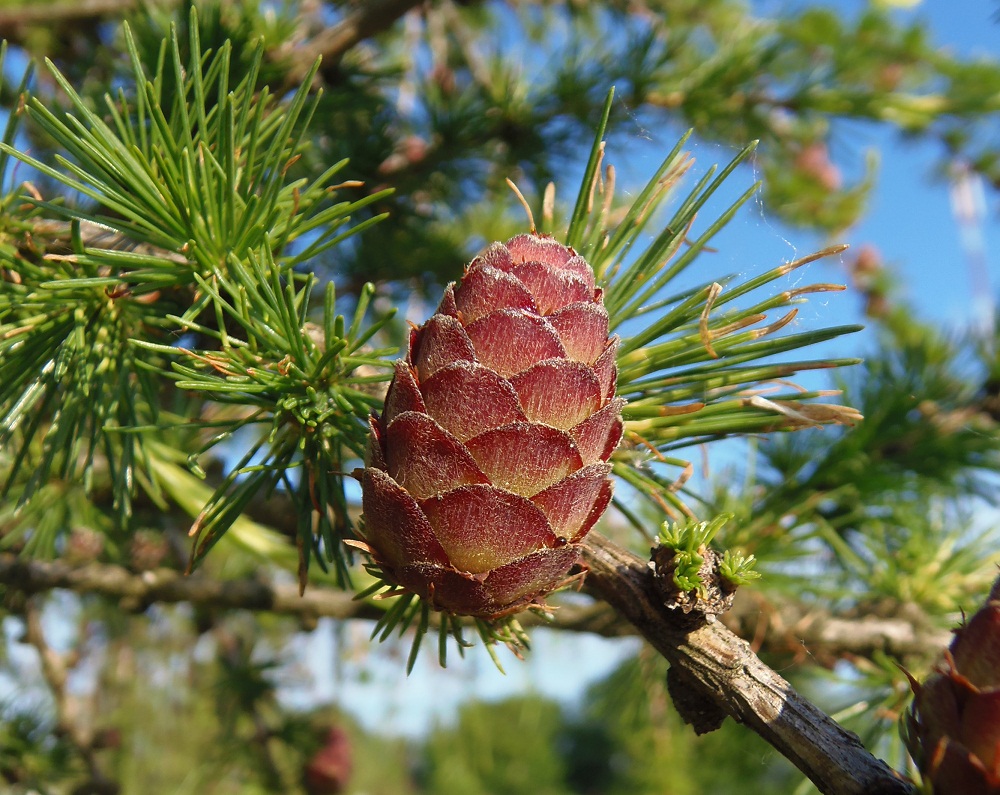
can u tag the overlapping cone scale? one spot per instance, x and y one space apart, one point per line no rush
953 729
489 463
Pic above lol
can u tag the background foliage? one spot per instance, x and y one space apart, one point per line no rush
880 523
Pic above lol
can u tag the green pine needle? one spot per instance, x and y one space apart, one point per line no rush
693 366
187 227
737 568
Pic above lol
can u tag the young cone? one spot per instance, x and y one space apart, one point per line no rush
490 462
953 729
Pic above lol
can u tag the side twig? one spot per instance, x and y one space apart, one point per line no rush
369 19
55 668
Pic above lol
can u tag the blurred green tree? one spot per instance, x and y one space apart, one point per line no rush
485 750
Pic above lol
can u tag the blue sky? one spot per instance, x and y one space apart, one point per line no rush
911 218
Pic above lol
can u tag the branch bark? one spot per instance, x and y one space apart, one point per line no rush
809 630
721 668
138 591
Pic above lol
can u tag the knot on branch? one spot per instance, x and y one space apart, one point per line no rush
692 577
696 709
672 572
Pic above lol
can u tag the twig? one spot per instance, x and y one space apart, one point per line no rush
331 45
13 19
795 628
789 629
55 669
723 671
169 586
235 653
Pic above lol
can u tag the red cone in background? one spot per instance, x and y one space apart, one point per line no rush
328 772
953 728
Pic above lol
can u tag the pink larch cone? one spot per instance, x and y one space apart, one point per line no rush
953 729
490 462
328 771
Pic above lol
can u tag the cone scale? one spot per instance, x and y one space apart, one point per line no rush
953 729
489 464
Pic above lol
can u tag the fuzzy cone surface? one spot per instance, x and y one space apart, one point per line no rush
490 462
953 729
